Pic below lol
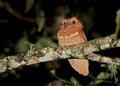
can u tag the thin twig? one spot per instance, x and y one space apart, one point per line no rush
117 22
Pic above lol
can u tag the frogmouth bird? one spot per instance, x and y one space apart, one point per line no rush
71 33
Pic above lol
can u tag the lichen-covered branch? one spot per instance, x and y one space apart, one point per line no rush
103 59
83 50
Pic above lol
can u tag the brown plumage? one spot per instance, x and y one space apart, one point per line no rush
71 33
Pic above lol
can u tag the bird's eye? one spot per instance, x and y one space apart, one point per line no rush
73 22
64 23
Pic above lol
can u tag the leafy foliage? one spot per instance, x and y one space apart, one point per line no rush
97 17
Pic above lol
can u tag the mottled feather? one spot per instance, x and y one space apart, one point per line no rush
71 33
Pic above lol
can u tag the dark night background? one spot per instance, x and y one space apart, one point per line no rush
98 17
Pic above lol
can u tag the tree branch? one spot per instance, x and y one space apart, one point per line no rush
83 50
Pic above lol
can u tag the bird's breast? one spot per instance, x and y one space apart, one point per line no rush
67 38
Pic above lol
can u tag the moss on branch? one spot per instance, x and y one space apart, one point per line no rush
83 50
